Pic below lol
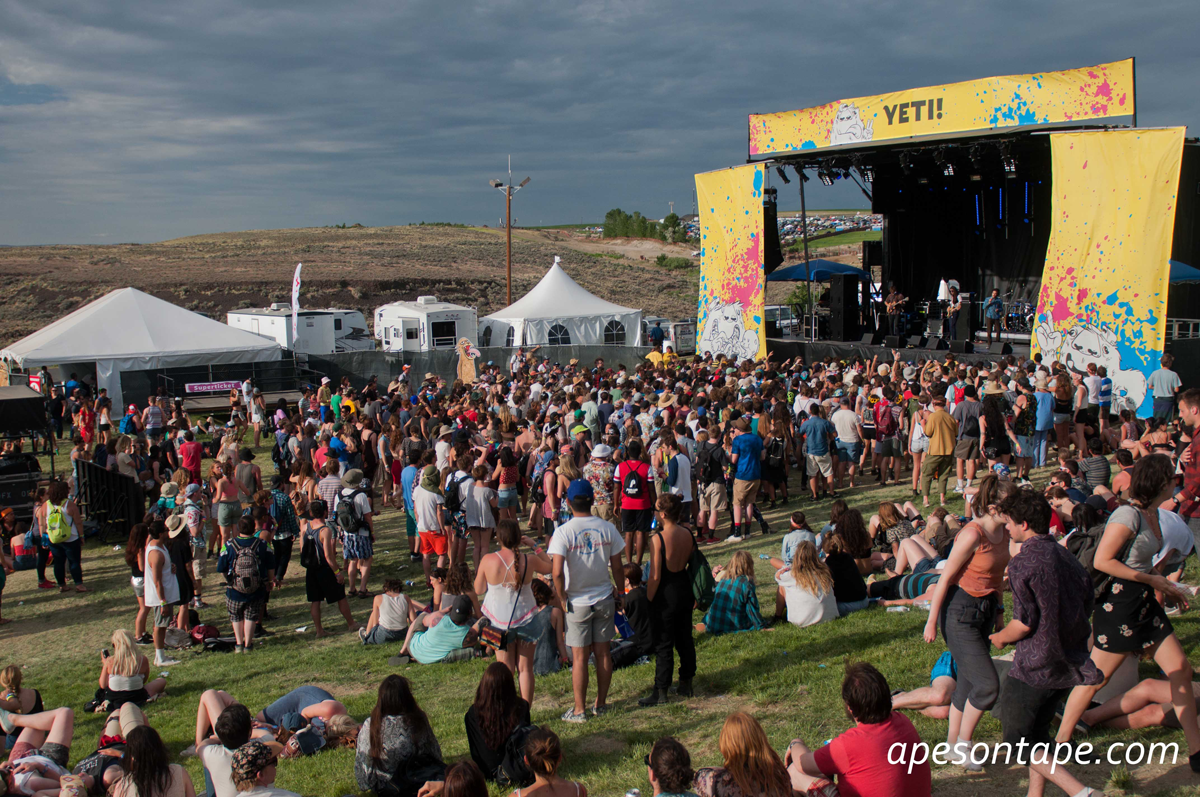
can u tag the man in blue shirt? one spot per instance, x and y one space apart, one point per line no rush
993 313
408 479
818 435
1045 418
657 336
747 457
337 449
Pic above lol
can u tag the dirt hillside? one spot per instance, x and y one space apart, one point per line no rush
351 268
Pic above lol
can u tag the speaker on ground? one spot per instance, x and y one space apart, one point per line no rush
962 347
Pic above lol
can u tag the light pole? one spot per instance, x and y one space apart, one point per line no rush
509 189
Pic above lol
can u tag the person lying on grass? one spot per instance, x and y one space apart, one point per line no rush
38 760
933 700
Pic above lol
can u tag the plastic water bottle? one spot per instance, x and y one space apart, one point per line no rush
634 793
411 583
898 609
922 605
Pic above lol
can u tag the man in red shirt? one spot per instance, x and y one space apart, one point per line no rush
1187 501
635 498
876 756
190 454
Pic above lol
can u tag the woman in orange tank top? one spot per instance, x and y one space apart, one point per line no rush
968 603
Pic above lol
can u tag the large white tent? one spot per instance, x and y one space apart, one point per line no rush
560 311
128 330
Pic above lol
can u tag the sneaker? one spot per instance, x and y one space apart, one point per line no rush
188 752
362 634
6 724
199 604
239 649
164 662
145 639
733 538
598 711
416 557
46 585
570 716
1174 611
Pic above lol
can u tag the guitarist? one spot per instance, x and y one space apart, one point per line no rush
894 302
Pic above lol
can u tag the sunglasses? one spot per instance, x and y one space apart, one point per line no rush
647 759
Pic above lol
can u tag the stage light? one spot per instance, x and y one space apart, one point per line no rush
948 169
947 166
977 157
906 164
825 176
782 174
867 172
922 181
975 178
1010 167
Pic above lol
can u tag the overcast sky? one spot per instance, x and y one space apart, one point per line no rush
143 121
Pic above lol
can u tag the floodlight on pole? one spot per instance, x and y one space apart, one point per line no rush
509 189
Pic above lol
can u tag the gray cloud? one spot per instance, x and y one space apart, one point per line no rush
144 121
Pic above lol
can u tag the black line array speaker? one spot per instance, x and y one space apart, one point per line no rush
932 342
896 342
1000 347
843 307
962 347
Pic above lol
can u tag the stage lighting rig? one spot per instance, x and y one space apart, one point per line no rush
782 174
825 175
1006 157
867 172
906 164
947 166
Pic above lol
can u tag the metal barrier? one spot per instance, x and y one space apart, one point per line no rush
1183 328
112 500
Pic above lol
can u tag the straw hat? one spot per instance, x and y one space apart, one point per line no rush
175 525
666 400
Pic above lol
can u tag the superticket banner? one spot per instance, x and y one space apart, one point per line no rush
732 284
1074 95
1103 298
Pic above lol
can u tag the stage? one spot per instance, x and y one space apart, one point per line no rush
787 348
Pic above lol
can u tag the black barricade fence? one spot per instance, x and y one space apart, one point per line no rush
271 376
362 365
112 500
19 474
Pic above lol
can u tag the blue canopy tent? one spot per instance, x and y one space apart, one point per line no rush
820 271
1181 273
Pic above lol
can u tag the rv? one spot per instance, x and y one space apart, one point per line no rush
425 325
317 331
680 335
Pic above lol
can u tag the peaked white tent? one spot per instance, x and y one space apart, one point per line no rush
560 311
128 330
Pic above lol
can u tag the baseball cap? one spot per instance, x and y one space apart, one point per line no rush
460 610
253 757
580 488
579 428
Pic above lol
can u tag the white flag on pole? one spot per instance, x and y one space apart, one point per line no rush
296 304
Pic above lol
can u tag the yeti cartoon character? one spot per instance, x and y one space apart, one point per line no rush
725 332
848 127
1089 343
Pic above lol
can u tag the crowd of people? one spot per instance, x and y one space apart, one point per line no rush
602 488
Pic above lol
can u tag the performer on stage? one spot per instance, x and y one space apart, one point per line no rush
952 310
993 314
895 310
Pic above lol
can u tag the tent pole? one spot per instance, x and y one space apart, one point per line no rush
807 269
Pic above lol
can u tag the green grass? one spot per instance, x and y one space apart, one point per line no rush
788 678
841 239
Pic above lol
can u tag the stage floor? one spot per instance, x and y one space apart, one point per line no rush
787 348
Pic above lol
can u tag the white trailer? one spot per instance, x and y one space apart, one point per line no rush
318 331
425 325
681 335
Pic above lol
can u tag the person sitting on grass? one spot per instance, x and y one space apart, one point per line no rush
148 768
543 756
254 768
391 615
890 527
549 626
16 698
843 550
735 603
933 700
637 612
913 552
496 715
859 757
223 725
322 581
751 768
669 769
798 533
440 636
397 751
804 592
39 758
940 529
123 675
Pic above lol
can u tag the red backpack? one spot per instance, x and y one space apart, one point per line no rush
885 421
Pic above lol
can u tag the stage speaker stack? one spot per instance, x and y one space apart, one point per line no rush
932 342
896 342
1001 347
843 307
872 338
962 347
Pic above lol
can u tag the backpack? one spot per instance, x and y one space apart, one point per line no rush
513 771
1083 544
959 392
454 503
349 521
246 579
632 484
704 586
126 426
885 420
280 455
776 452
710 466
308 551
58 525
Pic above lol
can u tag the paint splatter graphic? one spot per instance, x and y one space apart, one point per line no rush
1093 92
732 296
1104 287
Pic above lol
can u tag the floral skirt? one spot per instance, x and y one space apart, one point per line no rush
1128 619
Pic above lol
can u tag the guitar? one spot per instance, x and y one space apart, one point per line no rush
892 306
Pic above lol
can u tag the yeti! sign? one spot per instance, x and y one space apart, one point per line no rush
1073 95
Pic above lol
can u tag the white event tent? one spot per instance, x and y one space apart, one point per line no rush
561 312
128 330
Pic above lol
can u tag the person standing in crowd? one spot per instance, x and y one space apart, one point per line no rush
584 551
942 430
819 435
967 602
322 581
634 499
1164 385
1052 603
669 591
61 522
248 566
711 490
1129 619
428 505
746 455
1187 501
356 524
966 451
993 314
162 588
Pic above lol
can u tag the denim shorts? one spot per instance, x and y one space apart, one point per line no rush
1027 446
508 498
849 452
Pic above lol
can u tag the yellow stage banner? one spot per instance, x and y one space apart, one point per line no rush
732 295
1073 95
1103 298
